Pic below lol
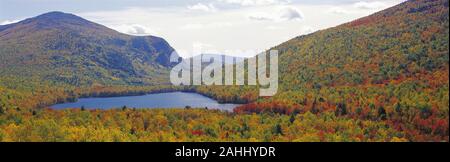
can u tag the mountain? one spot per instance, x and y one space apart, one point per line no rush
384 77
391 66
403 47
65 48
397 43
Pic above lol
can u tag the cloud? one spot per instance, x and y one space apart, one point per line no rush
135 29
261 16
274 28
285 13
338 10
307 30
202 7
369 5
290 13
230 28
362 7
197 26
8 22
201 45
203 48
256 2
192 26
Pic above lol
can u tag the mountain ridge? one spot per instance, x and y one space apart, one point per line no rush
59 40
391 66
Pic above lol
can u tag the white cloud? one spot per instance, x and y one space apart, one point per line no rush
202 7
369 5
290 13
307 30
261 16
201 45
197 26
135 29
228 28
192 26
8 22
256 2
274 28
284 13
338 10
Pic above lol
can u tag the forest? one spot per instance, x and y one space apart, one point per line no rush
382 78
193 125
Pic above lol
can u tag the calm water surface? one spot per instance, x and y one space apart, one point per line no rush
159 100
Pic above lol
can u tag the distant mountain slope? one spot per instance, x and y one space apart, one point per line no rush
65 48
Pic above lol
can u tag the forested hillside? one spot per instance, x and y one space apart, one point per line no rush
391 66
64 48
379 78
45 58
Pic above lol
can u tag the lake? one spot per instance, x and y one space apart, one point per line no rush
158 100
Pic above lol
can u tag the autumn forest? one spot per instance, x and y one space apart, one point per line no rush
380 78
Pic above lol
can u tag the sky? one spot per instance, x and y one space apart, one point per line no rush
232 27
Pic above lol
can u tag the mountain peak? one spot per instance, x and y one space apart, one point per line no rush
56 37
57 15
60 18
59 21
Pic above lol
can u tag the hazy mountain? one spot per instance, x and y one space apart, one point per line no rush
66 48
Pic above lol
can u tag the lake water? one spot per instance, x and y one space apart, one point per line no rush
159 100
